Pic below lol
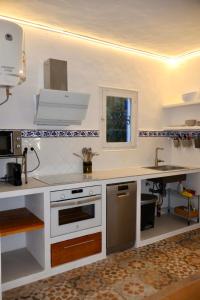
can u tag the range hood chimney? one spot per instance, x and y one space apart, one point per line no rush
54 104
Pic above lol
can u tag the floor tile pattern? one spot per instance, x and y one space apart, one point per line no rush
129 275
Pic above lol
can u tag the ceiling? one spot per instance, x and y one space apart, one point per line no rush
168 27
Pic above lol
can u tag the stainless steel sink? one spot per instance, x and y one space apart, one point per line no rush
168 179
166 168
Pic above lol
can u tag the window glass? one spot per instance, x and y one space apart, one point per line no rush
118 119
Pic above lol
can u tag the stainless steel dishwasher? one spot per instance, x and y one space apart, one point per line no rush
121 216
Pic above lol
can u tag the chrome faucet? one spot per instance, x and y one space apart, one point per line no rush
157 160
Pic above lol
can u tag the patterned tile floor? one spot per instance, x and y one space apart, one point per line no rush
131 275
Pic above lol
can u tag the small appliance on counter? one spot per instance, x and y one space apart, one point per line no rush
10 143
14 173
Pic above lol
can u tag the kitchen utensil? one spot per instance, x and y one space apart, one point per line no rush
190 122
186 142
78 155
176 142
197 142
87 156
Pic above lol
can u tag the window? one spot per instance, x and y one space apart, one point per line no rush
119 113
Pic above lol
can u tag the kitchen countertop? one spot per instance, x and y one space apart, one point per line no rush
63 179
32 184
111 174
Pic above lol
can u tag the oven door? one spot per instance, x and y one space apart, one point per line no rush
74 215
6 143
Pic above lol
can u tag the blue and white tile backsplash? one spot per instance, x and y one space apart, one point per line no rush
42 133
54 133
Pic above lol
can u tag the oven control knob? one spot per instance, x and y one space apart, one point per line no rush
62 197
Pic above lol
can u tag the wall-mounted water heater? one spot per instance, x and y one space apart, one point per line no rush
12 58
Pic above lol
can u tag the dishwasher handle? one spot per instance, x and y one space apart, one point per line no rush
123 194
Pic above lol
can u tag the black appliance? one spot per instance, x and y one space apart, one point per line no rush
14 173
10 143
148 203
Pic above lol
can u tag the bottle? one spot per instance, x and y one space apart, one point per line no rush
180 187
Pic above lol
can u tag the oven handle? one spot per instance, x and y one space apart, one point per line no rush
11 143
84 200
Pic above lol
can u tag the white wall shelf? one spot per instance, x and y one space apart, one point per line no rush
181 104
182 128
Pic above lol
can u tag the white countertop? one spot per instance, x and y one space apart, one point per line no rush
32 184
64 179
112 174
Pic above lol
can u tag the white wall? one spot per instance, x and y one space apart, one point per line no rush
89 67
184 78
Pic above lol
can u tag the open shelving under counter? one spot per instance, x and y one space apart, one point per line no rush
13 268
22 233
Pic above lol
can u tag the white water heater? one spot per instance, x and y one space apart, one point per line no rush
11 54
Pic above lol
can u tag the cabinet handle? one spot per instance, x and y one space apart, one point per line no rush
78 244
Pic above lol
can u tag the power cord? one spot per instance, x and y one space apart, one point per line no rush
8 94
38 159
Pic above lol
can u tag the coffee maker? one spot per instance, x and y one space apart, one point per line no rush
14 173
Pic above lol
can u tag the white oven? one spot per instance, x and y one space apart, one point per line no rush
75 209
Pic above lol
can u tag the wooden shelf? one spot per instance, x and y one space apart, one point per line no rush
17 221
183 211
181 104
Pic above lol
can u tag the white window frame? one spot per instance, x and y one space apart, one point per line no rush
104 92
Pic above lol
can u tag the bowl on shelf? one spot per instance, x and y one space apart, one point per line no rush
191 96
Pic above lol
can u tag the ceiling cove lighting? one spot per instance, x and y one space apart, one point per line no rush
173 61
87 38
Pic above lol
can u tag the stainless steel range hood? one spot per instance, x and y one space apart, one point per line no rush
55 106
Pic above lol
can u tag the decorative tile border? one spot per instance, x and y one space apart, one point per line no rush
152 133
169 133
180 134
40 133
